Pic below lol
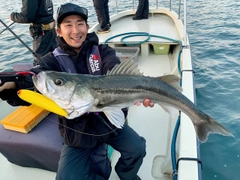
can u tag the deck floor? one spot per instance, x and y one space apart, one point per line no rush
156 25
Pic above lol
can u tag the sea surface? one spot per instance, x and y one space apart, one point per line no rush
214 33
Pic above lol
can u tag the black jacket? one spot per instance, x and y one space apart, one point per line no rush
83 131
34 11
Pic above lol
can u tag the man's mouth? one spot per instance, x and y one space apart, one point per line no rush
76 39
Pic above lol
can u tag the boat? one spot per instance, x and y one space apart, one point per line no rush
160 46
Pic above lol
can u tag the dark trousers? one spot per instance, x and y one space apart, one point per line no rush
102 11
43 41
143 9
78 163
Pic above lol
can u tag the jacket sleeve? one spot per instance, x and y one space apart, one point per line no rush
28 13
109 58
47 62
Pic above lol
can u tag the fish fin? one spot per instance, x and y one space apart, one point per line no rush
170 110
116 117
208 126
172 80
76 112
128 67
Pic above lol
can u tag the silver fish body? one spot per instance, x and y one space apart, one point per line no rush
122 87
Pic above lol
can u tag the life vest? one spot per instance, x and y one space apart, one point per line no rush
94 61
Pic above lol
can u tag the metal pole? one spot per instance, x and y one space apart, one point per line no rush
179 9
116 7
6 28
185 23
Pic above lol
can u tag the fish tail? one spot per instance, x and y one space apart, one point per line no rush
207 126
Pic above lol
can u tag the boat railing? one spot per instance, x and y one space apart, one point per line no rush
169 4
156 6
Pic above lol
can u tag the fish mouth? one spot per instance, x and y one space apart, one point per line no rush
41 83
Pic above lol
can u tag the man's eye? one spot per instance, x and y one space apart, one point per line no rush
68 25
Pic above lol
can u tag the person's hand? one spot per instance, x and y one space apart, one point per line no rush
10 17
7 85
146 103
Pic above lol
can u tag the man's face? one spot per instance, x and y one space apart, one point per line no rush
74 31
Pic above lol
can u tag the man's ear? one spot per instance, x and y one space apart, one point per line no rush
58 30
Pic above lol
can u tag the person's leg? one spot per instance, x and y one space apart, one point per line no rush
44 43
107 12
48 42
74 164
99 162
146 9
101 16
132 148
139 11
36 33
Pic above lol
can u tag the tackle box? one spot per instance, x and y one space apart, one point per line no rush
24 118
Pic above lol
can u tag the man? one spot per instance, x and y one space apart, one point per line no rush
84 153
39 13
102 11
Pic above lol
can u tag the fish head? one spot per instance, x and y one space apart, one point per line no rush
66 90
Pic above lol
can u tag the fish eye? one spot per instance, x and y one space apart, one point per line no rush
59 82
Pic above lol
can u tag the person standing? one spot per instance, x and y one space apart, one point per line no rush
102 11
39 13
142 10
84 153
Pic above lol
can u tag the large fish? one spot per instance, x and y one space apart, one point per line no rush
123 86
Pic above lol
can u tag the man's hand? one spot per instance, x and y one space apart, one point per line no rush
146 103
7 85
10 17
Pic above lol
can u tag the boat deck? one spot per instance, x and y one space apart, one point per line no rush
157 24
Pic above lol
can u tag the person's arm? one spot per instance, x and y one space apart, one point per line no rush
8 91
7 85
28 12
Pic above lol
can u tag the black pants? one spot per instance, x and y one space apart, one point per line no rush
77 163
102 11
143 9
43 41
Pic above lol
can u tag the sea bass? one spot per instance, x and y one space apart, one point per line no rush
122 87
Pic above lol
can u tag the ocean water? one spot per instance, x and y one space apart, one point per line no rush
214 33
213 28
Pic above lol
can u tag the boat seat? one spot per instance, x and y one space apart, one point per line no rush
40 148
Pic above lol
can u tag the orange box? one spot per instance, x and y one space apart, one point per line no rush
24 119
